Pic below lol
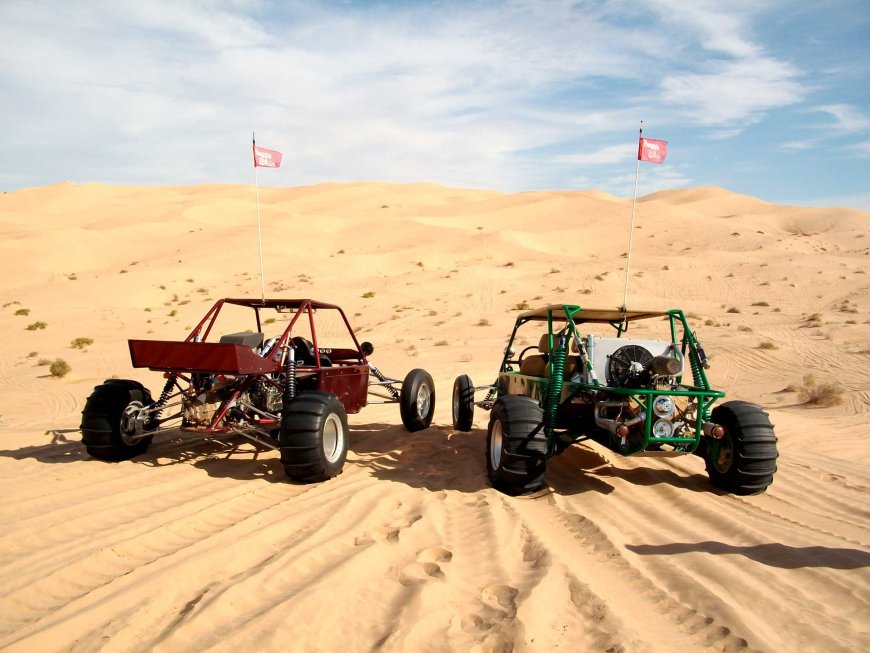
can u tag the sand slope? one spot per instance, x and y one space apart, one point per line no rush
203 545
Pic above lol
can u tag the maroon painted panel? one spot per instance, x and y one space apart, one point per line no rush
214 357
349 383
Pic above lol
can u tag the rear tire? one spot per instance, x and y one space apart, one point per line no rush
463 403
314 437
516 446
112 418
746 458
417 400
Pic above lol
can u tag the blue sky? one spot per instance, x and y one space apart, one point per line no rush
770 99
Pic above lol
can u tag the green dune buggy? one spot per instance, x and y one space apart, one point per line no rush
635 396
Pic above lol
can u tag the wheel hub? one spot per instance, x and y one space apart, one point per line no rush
424 400
496 442
333 438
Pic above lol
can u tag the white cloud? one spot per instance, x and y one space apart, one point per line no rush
734 92
848 117
606 155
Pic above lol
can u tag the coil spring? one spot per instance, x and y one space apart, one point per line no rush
164 396
380 377
289 379
557 379
696 368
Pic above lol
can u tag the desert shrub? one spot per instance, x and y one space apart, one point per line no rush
368 295
269 320
42 362
36 325
814 393
760 304
81 343
441 343
555 270
483 322
173 313
767 345
509 264
59 368
22 311
733 309
523 306
33 354
745 328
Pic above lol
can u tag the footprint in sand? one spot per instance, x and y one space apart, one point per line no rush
501 598
426 567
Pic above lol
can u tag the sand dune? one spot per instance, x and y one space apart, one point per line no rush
203 545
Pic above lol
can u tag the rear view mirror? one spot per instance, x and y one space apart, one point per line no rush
367 348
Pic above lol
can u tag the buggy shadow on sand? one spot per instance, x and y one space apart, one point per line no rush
291 391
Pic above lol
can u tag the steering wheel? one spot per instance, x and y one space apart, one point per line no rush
304 351
523 353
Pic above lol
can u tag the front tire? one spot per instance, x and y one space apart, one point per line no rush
417 400
314 437
463 403
516 446
114 420
745 460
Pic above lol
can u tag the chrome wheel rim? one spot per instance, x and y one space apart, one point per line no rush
495 444
424 400
130 425
333 438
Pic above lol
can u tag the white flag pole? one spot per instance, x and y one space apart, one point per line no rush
631 227
259 230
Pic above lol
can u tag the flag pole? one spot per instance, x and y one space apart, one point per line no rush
259 229
631 226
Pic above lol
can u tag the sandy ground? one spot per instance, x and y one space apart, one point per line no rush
203 545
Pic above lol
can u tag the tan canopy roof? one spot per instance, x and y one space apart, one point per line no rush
605 315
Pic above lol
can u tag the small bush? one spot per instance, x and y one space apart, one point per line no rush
59 368
745 329
81 343
441 343
509 264
42 362
368 295
767 345
22 311
760 304
269 320
173 313
33 354
483 322
820 394
523 306
36 325
733 309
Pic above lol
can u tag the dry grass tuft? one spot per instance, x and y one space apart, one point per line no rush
813 393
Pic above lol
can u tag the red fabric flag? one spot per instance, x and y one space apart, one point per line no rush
266 158
652 150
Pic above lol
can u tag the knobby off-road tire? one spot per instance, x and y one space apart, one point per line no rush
417 400
463 403
108 423
516 445
747 455
314 437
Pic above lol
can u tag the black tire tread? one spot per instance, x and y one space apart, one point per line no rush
754 448
464 416
524 446
101 416
301 448
408 400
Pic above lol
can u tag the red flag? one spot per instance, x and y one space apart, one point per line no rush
266 158
652 150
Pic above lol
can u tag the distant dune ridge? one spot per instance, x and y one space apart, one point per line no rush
202 545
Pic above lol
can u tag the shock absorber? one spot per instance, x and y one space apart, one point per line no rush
696 368
380 377
157 408
289 370
557 379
